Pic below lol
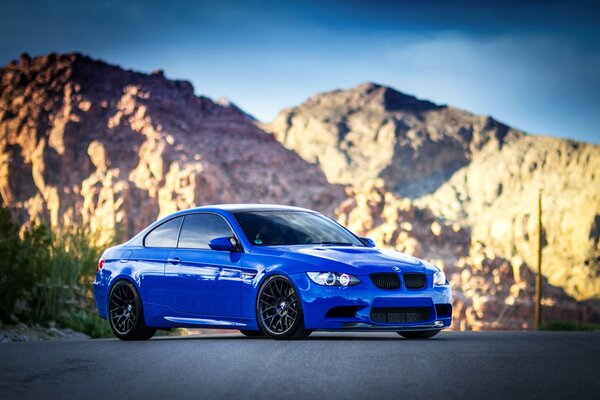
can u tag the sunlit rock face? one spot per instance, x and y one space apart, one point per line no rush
489 291
84 141
467 170
497 195
373 131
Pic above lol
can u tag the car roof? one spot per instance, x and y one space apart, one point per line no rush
247 207
136 240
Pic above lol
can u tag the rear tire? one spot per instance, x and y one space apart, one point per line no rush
279 309
126 313
419 334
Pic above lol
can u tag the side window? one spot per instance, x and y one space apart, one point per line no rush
199 229
164 235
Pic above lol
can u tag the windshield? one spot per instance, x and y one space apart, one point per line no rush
272 228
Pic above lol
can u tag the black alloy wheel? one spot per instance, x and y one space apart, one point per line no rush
419 334
125 313
279 310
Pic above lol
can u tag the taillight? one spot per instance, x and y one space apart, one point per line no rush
100 264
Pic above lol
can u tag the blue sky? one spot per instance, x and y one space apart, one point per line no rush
533 65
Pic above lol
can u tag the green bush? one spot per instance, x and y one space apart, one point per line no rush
48 277
23 263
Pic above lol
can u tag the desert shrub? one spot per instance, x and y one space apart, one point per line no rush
65 292
47 276
23 262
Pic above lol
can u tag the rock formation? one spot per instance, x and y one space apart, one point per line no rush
489 291
373 131
468 170
85 142
82 141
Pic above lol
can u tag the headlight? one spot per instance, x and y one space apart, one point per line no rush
333 279
439 278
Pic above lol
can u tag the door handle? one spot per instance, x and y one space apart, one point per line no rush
173 260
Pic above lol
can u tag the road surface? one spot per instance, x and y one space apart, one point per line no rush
482 365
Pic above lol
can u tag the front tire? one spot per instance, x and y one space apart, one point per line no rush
419 334
126 313
279 309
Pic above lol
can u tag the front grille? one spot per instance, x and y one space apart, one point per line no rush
400 315
415 280
386 280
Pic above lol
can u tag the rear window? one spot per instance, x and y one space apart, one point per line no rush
164 235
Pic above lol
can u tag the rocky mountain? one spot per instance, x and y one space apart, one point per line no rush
82 141
467 170
497 193
489 291
373 131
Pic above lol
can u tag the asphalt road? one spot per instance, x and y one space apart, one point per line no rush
351 365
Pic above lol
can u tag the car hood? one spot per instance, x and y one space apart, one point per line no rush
351 259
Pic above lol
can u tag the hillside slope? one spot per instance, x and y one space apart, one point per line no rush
85 141
489 291
467 169
497 194
373 131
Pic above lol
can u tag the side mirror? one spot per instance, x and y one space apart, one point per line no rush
367 241
224 244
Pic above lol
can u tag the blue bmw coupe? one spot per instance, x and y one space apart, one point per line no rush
265 270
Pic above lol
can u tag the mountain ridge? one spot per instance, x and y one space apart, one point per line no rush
339 125
467 169
86 142
135 139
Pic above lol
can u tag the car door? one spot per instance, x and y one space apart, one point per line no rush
205 282
150 260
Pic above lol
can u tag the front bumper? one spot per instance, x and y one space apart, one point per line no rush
365 301
358 326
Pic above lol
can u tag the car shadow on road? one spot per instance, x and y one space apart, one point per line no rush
312 338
